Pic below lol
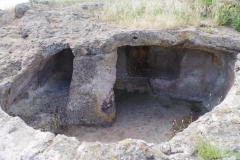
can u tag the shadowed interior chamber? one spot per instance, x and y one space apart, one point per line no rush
42 96
149 62
175 83
188 74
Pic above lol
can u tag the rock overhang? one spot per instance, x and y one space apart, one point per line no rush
177 39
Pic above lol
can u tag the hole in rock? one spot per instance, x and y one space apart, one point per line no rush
44 98
135 38
155 89
159 92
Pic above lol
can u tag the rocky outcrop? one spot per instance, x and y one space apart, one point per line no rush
29 42
20 9
19 141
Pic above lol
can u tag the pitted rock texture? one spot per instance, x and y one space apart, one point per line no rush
26 43
19 141
91 88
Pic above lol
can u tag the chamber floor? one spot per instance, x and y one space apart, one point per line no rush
139 116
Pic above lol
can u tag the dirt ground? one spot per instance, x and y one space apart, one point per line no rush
139 116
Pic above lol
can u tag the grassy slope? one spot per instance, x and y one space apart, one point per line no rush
156 14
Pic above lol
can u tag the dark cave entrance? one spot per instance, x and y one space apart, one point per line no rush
58 68
136 66
147 62
182 73
43 100
154 86
158 90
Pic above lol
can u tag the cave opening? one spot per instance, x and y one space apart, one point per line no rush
57 71
42 101
159 91
136 66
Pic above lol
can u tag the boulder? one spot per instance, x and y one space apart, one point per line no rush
20 10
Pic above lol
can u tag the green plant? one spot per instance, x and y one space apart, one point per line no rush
226 154
236 18
32 1
237 155
229 14
207 151
206 2
225 13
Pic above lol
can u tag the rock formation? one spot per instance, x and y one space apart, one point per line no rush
58 50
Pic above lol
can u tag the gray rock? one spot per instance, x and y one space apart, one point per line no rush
20 10
94 46
91 5
206 24
165 147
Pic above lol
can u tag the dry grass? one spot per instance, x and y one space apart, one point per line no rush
180 125
154 14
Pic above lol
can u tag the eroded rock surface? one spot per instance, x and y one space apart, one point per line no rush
27 43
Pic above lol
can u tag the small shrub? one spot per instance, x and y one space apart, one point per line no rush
207 151
226 154
225 15
229 15
206 2
236 18
237 156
